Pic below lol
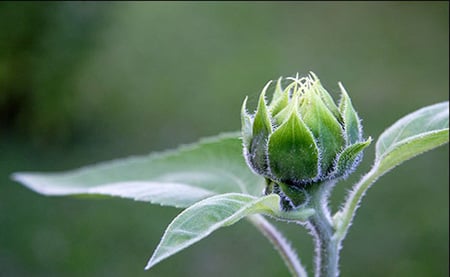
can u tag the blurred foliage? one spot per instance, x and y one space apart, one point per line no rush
40 49
85 82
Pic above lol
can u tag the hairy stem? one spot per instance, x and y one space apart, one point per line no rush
281 245
347 212
321 227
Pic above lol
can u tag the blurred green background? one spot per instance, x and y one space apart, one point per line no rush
87 82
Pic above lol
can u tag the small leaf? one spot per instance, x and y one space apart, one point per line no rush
262 128
262 122
246 122
175 178
206 216
352 124
350 157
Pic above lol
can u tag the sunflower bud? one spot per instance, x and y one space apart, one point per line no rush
302 138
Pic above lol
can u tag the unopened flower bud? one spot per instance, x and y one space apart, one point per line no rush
302 137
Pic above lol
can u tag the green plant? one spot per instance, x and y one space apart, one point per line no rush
299 146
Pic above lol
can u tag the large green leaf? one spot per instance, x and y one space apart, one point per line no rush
177 178
420 131
413 134
208 215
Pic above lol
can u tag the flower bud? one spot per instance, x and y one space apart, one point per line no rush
302 137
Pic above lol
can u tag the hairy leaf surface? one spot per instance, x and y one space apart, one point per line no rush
177 178
412 135
206 216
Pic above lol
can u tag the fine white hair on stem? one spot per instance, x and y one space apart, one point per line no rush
281 245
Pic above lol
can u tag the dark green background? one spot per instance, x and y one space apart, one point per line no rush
87 82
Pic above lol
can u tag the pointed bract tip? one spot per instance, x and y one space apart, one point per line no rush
266 87
244 105
343 90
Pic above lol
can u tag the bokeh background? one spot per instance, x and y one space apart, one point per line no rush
87 82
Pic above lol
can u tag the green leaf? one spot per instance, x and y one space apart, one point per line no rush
177 178
262 123
352 124
325 96
246 122
326 129
420 131
262 128
349 158
280 99
208 215
293 153
412 135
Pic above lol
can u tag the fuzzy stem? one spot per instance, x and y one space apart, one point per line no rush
321 227
347 212
281 245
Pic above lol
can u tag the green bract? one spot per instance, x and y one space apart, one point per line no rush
302 137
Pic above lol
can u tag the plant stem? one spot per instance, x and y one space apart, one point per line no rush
321 227
281 245
347 212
